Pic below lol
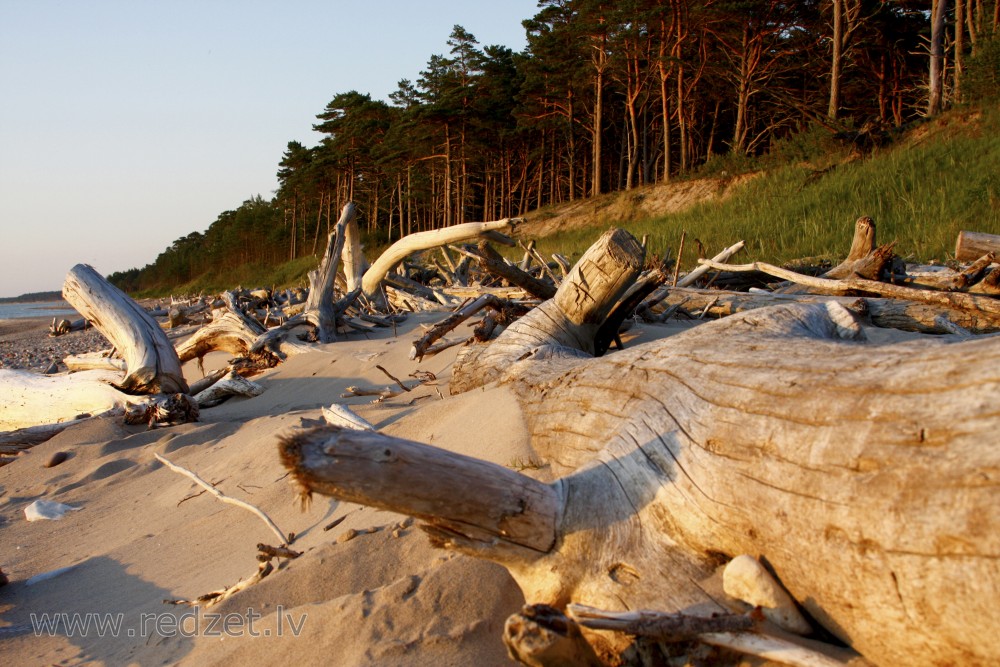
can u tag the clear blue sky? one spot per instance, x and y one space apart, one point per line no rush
125 125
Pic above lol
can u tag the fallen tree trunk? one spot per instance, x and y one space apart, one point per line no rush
866 477
984 310
900 314
972 245
151 363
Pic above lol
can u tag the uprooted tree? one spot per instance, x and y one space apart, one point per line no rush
866 477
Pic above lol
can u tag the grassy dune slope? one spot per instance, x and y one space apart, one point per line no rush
933 181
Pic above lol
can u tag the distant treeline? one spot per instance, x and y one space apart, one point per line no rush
607 96
33 297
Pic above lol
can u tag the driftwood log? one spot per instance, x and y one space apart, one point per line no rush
973 245
321 311
865 477
901 314
151 363
982 311
232 331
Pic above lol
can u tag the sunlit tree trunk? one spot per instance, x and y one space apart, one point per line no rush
959 48
600 59
838 44
936 57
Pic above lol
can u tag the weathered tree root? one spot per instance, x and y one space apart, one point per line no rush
862 474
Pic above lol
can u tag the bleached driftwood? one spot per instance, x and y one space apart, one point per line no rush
29 436
232 331
864 475
151 362
233 384
95 361
283 538
419 348
355 263
341 415
691 277
30 399
320 309
408 245
983 310
901 314
494 263
566 324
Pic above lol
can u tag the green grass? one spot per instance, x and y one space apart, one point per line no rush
940 178
287 274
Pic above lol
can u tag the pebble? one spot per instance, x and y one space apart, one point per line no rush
35 350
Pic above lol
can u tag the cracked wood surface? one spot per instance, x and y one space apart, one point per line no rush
866 476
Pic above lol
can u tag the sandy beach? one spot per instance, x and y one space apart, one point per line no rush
369 591
91 587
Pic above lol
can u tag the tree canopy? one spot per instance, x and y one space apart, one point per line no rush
606 96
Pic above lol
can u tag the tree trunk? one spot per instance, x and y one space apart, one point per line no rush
936 77
865 476
836 58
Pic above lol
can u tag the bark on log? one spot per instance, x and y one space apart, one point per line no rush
407 245
152 363
867 477
972 245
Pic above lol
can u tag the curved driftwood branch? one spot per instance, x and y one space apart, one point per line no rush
151 362
283 538
865 476
231 331
408 245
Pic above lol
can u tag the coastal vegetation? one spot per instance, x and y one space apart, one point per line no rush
846 107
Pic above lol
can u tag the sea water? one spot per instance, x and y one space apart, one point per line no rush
60 309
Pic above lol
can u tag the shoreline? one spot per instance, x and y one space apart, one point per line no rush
25 344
